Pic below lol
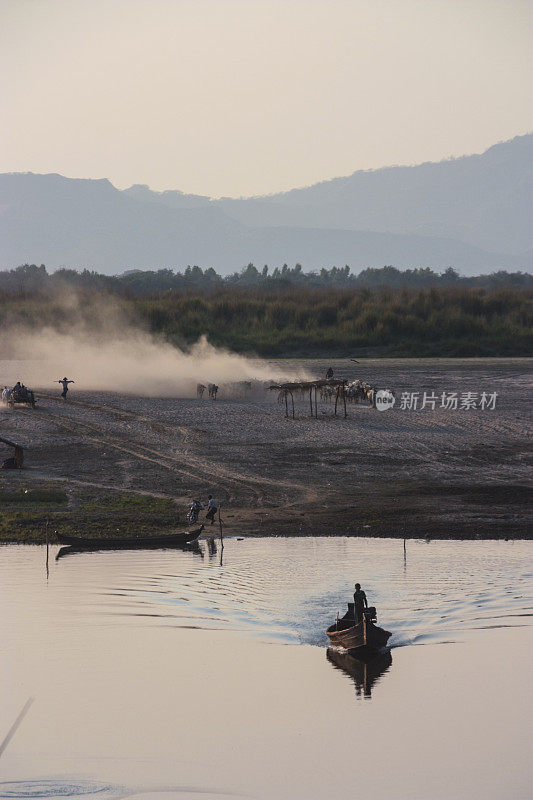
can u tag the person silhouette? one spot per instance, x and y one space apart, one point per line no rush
359 603
65 382
212 508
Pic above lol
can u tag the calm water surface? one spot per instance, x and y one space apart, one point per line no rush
159 674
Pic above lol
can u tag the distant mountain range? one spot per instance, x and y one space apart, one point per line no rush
472 213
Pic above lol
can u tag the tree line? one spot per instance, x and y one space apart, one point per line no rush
32 278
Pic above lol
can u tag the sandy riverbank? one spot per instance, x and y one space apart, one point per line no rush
442 473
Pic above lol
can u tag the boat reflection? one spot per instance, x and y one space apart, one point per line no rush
365 672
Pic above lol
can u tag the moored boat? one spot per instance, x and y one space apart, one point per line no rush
130 542
351 635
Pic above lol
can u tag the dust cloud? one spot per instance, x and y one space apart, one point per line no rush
123 358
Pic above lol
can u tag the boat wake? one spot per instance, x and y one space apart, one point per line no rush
289 590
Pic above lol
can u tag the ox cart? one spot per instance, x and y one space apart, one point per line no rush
22 396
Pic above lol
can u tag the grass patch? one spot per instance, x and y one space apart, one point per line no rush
19 497
120 502
95 514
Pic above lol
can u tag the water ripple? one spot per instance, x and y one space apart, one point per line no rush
289 590
54 788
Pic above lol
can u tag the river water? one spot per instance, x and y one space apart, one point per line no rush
166 673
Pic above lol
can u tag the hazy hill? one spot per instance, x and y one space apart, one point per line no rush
485 200
472 213
89 223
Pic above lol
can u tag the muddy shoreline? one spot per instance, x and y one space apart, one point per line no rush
131 464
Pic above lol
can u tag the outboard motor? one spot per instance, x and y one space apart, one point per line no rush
370 613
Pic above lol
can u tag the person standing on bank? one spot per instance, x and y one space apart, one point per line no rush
359 603
212 508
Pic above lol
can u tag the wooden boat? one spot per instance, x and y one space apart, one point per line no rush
131 542
68 550
361 636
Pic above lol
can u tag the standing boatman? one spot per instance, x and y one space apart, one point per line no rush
65 383
359 603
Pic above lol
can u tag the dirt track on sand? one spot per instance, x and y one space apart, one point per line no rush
406 473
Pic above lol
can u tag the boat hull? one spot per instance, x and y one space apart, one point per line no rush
130 543
363 636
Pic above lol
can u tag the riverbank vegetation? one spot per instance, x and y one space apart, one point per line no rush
29 515
378 312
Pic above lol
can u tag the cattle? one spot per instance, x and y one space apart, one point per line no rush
355 391
200 389
359 392
327 393
212 390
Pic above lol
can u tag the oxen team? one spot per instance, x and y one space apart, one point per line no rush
212 390
237 389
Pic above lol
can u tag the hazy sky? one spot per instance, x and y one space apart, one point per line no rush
231 97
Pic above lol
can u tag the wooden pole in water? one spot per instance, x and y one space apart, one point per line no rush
344 398
286 403
316 406
221 535
292 400
311 400
47 547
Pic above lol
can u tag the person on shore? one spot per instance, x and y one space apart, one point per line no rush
329 374
212 508
65 382
359 603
